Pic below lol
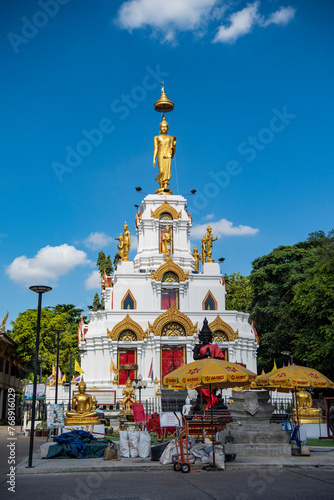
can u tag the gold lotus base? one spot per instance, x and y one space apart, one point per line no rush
163 191
307 418
82 421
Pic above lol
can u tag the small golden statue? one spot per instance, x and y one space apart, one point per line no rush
129 396
124 243
82 408
207 245
196 257
167 241
306 413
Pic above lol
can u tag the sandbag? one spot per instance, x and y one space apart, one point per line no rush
144 448
219 457
169 451
133 437
111 452
124 444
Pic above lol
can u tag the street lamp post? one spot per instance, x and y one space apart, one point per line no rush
288 353
41 369
139 383
57 332
40 290
70 381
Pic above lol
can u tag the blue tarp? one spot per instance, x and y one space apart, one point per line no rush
77 444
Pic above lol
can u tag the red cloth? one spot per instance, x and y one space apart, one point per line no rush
138 413
215 351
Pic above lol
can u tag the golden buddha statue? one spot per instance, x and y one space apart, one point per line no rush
208 243
164 149
196 257
124 243
306 413
129 396
167 240
203 251
82 408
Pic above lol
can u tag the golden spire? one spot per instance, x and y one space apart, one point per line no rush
163 104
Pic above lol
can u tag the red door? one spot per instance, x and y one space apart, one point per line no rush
172 357
126 356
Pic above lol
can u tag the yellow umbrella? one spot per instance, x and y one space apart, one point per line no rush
295 376
209 373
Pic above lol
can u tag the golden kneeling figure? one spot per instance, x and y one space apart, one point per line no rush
129 394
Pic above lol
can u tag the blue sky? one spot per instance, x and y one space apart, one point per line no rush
252 85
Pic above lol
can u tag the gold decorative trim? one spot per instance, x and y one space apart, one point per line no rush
169 316
169 266
219 324
126 324
132 297
166 208
205 299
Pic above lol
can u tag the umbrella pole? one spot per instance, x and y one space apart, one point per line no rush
202 415
298 429
213 439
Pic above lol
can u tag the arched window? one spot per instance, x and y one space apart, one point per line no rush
219 336
128 301
165 216
170 277
127 335
173 330
209 303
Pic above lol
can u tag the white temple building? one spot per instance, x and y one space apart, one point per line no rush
154 306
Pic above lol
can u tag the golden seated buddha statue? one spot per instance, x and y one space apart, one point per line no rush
306 414
82 408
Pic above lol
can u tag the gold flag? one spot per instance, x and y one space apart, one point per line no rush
64 378
113 368
77 367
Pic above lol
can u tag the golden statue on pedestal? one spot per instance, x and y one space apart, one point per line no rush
207 246
129 396
82 408
164 145
306 413
196 257
124 243
167 241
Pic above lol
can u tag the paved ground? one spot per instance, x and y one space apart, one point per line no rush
137 479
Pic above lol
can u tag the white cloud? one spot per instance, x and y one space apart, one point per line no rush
282 16
209 216
96 241
223 227
134 243
93 281
48 264
167 16
242 22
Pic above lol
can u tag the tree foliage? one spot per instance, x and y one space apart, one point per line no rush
292 306
96 303
61 317
239 292
104 264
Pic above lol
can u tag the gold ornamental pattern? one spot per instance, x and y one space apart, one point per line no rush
166 208
173 315
169 266
126 324
219 325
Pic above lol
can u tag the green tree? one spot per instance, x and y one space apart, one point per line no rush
117 258
239 292
275 279
96 303
101 262
61 317
109 267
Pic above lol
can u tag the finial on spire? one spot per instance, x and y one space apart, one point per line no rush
163 104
